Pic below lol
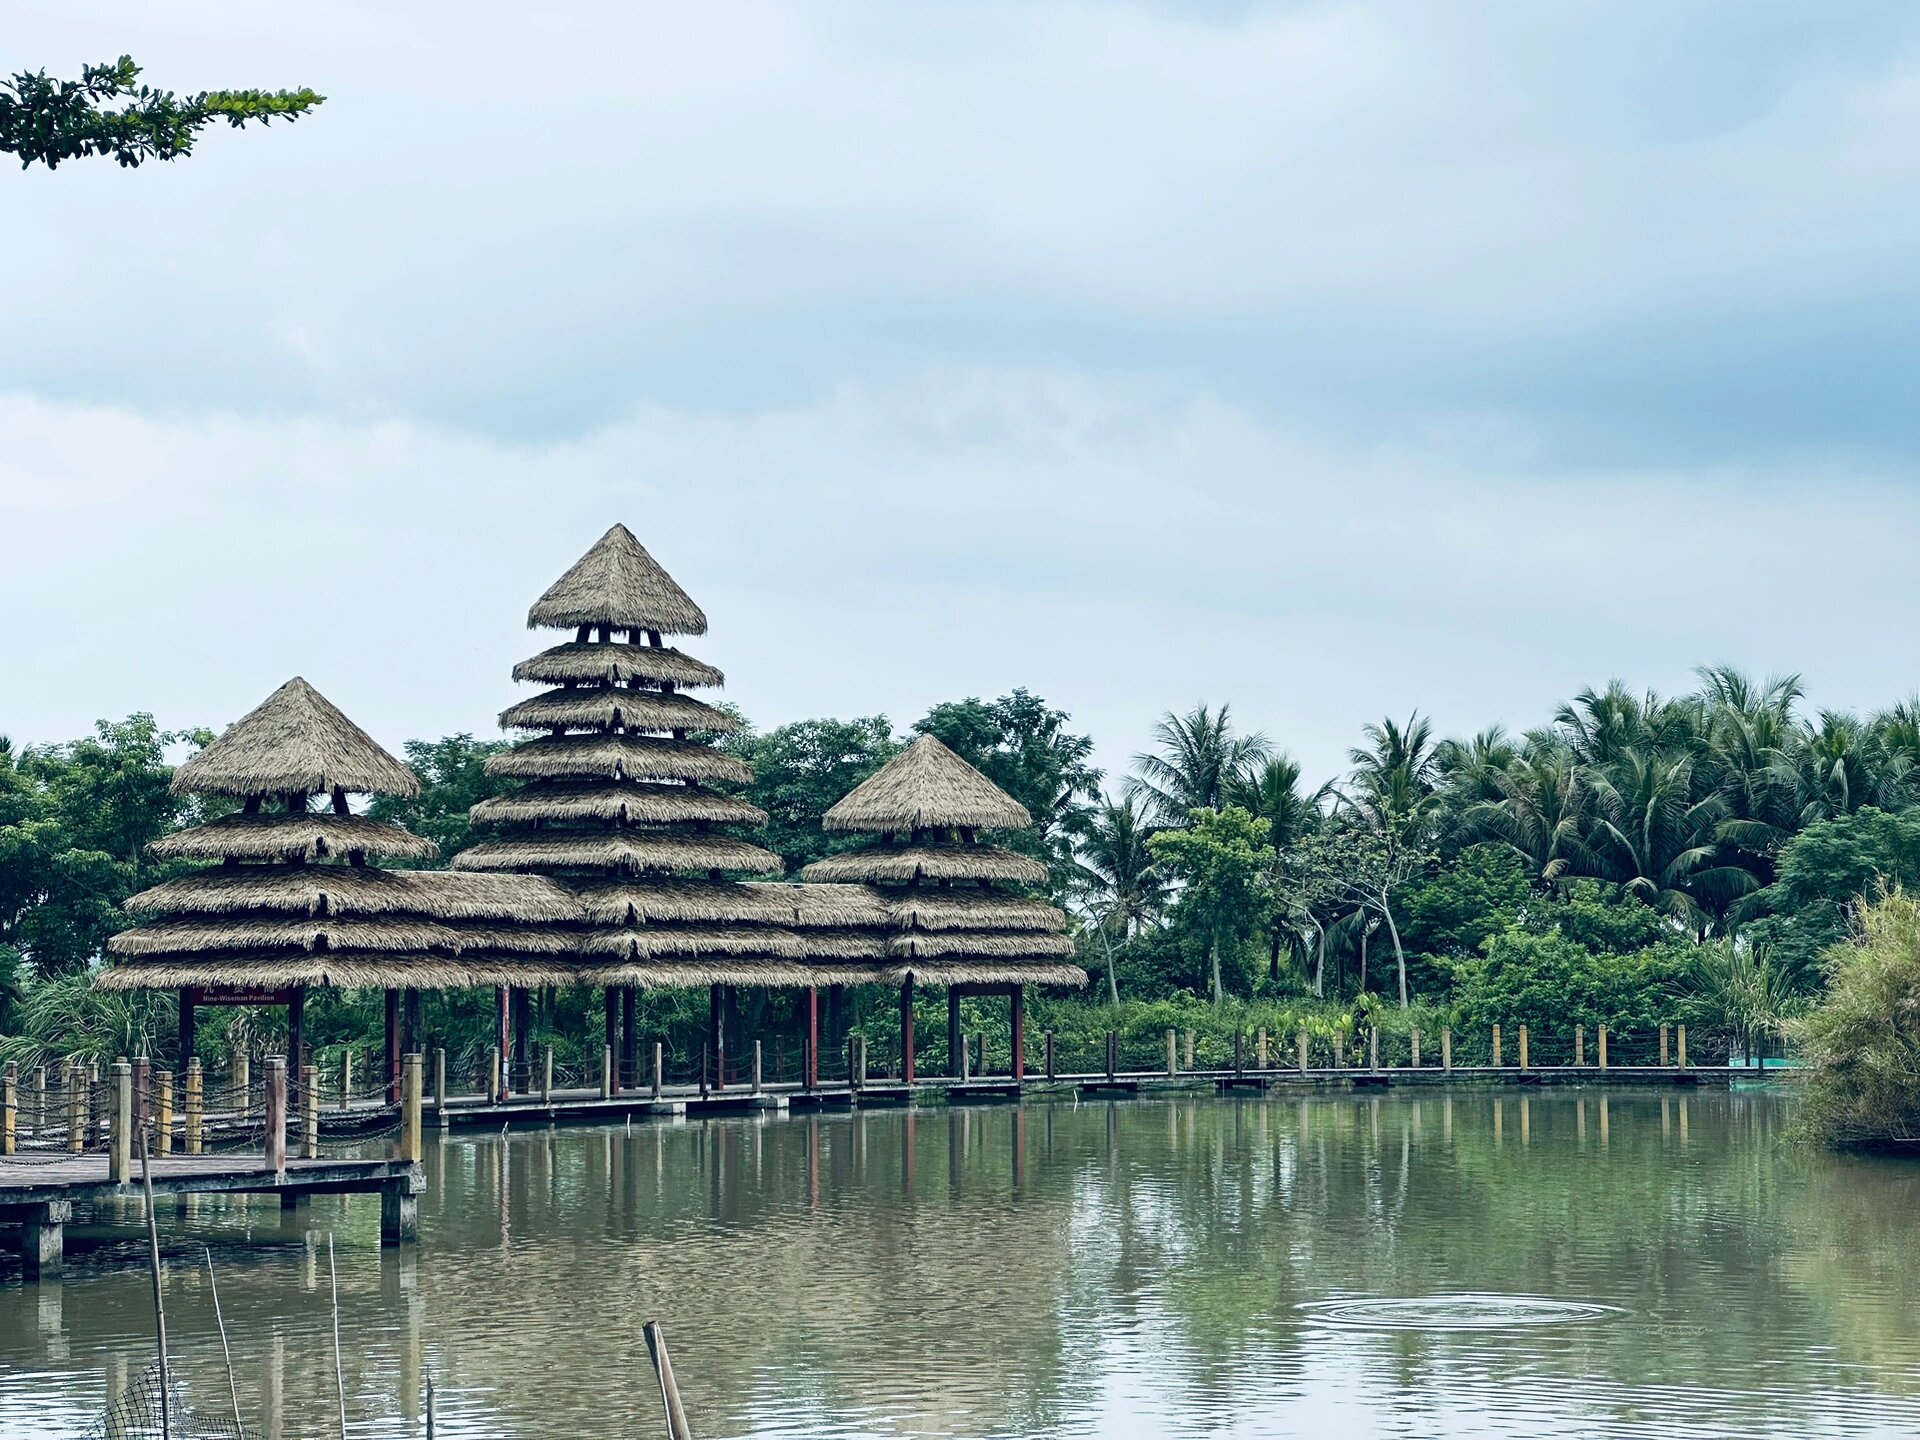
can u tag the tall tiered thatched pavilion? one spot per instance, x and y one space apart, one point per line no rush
615 802
954 915
293 898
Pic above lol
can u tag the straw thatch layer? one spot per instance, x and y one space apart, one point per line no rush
623 852
292 837
926 786
825 944
516 940
269 933
294 741
616 757
971 910
593 662
618 583
355 890
341 971
838 906
743 942
628 803
616 709
702 902
905 864
766 974
982 944
987 972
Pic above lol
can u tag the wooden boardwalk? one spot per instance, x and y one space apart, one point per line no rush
39 1193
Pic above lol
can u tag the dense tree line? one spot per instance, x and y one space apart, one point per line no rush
1632 852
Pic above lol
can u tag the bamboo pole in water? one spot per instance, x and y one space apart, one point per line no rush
233 1388
159 1298
339 1373
669 1391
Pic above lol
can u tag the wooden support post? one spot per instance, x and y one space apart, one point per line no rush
609 1081
1446 1048
1413 1041
627 1063
10 1108
76 1108
196 1104
1580 1045
392 1066
756 1067
1048 1038
43 1239
120 1156
1017 1002
1112 1046
1603 1047
1373 1047
1663 1047
496 1074
1239 1052
1496 1047
520 1016
411 1066
1682 1037
346 1076
956 1042
163 1112
276 1146
1260 1053
1173 1054
906 1030
546 1074
964 1072
659 1068
860 1058
242 1080
310 1123
439 1078
717 1035
1300 1046
1523 1047
399 1212
142 1090
811 1079
502 1041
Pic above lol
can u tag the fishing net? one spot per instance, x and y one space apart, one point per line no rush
135 1414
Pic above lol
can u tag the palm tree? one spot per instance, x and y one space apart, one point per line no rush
1655 839
1118 882
1543 812
1749 729
1199 758
1470 770
1271 794
1837 767
1392 784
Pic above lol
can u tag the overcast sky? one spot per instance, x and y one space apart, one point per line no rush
1330 360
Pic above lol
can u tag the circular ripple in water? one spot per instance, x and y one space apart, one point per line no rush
1455 1312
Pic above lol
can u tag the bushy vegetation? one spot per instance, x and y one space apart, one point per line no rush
1862 1042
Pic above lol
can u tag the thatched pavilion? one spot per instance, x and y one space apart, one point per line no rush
954 914
293 897
615 801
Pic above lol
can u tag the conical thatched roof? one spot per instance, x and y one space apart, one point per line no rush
580 661
909 864
294 742
618 584
926 786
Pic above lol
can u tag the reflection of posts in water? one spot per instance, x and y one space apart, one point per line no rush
1683 1099
1666 1119
1499 1120
274 1396
1446 1122
1580 1122
1603 1120
1019 1149
956 1152
906 1155
1526 1121
813 1162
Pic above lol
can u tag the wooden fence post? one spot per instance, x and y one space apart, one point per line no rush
1173 1054
76 1107
346 1077
439 1077
163 1112
1446 1048
1663 1047
1683 1051
1300 1042
241 1078
496 1074
1580 1045
42 1120
1048 1037
1496 1047
1413 1043
1373 1047
1603 1047
1340 1049
1239 1051
411 1149
10 1108
309 1118
120 1157
196 1104
756 1067
546 1074
276 1113
659 1068
1523 1047
1187 1060
606 1072
1111 1047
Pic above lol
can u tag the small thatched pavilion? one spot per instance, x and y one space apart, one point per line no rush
292 896
615 801
953 911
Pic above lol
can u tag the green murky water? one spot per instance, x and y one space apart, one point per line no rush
1656 1264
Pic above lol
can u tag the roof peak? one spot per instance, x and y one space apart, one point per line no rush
618 584
294 741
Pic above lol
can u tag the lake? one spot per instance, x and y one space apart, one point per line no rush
1437 1264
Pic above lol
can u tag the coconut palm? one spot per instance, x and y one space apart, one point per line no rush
1393 781
1116 880
1271 794
1543 813
1655 839
1199 757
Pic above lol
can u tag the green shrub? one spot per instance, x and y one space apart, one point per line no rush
1862 1043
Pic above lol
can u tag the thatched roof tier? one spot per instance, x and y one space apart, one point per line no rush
848 944
292 837
905 864
618 584
616 757
650 902
515 940
947 909
356 890
167 937
722 970
743 942
626 852
963 944
545 800
838 905
591 662
295 742
986 972
615 709
341 970
926 786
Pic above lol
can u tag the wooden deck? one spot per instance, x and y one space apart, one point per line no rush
38 1194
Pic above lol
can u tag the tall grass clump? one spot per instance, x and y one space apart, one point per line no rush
1862 1042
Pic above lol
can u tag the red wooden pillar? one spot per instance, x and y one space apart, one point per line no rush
1018 998
811 1078
393 1047
906 1030
503 1037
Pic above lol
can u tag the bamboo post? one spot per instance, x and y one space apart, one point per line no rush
1300 1043
546 1075
1260 1049
1497 1055
1682 1037
659 1068
756 1067
496 1077
93 1102
606 1072
1446 1048
276 1148
1663 1047
309 1122
196 1104
1187 1058
1523 1047
1373 1047
10 1108
1580 1045
120 1157
1413 1039
669 1392
163 1111
1602 1042
1339 1049
346 1077
411 1149
1173 1054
